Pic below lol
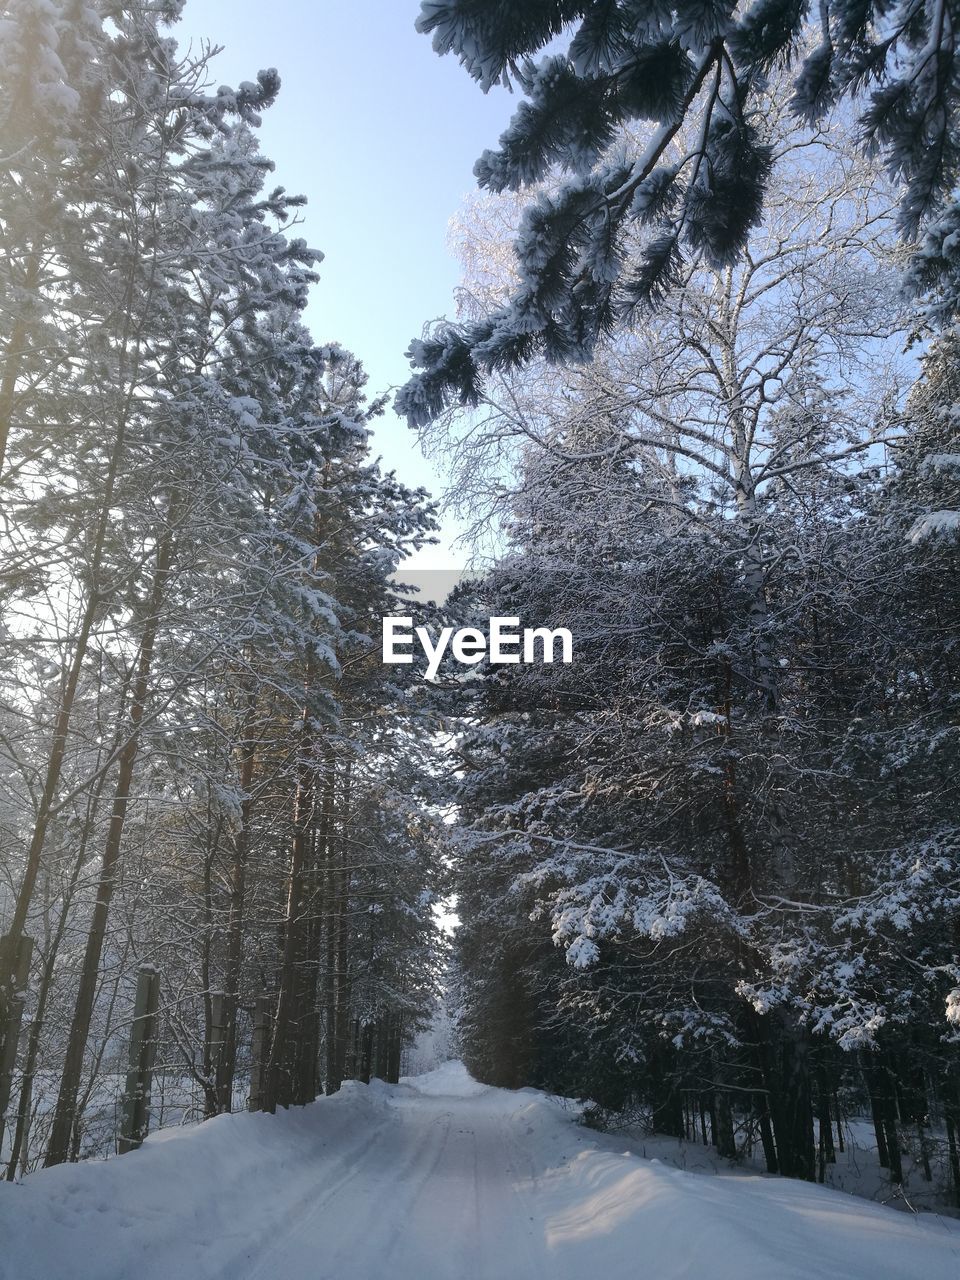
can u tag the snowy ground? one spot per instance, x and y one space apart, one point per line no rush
855 1170
440 1178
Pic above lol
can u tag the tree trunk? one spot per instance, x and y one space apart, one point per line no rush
338 976
784 1059
22 1133
58 746
13 361
19 965
65 1113
726 1142
279 1083
883 1105
235 918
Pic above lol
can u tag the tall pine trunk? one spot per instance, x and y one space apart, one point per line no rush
51 783
227 1065
278 1083
66 1110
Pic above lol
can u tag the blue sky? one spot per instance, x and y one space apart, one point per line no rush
380 134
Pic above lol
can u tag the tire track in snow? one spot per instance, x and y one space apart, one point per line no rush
310 1203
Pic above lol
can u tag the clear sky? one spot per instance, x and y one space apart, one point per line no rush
380 134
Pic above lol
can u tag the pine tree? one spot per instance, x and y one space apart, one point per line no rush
717 811
616 235
196 552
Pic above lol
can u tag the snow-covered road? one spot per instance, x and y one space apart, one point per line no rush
439 1178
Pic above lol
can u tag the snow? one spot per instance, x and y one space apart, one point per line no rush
440 1178
943 524
855 1171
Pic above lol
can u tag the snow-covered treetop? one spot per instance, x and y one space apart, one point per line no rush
706 65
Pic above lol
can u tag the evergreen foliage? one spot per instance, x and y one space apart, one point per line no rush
709 871
706 66
203 765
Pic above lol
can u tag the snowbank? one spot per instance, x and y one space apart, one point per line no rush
439 1178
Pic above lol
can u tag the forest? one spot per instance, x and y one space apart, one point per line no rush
696 402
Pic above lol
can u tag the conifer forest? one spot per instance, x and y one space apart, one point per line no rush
601 910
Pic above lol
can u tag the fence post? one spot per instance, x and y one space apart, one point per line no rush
218 1036
135 1115
19 968
260 1051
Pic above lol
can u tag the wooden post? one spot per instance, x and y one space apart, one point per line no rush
135 1117
218 1037
260 1051
366 1053
18 967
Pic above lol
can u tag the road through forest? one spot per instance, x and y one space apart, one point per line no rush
440 1178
